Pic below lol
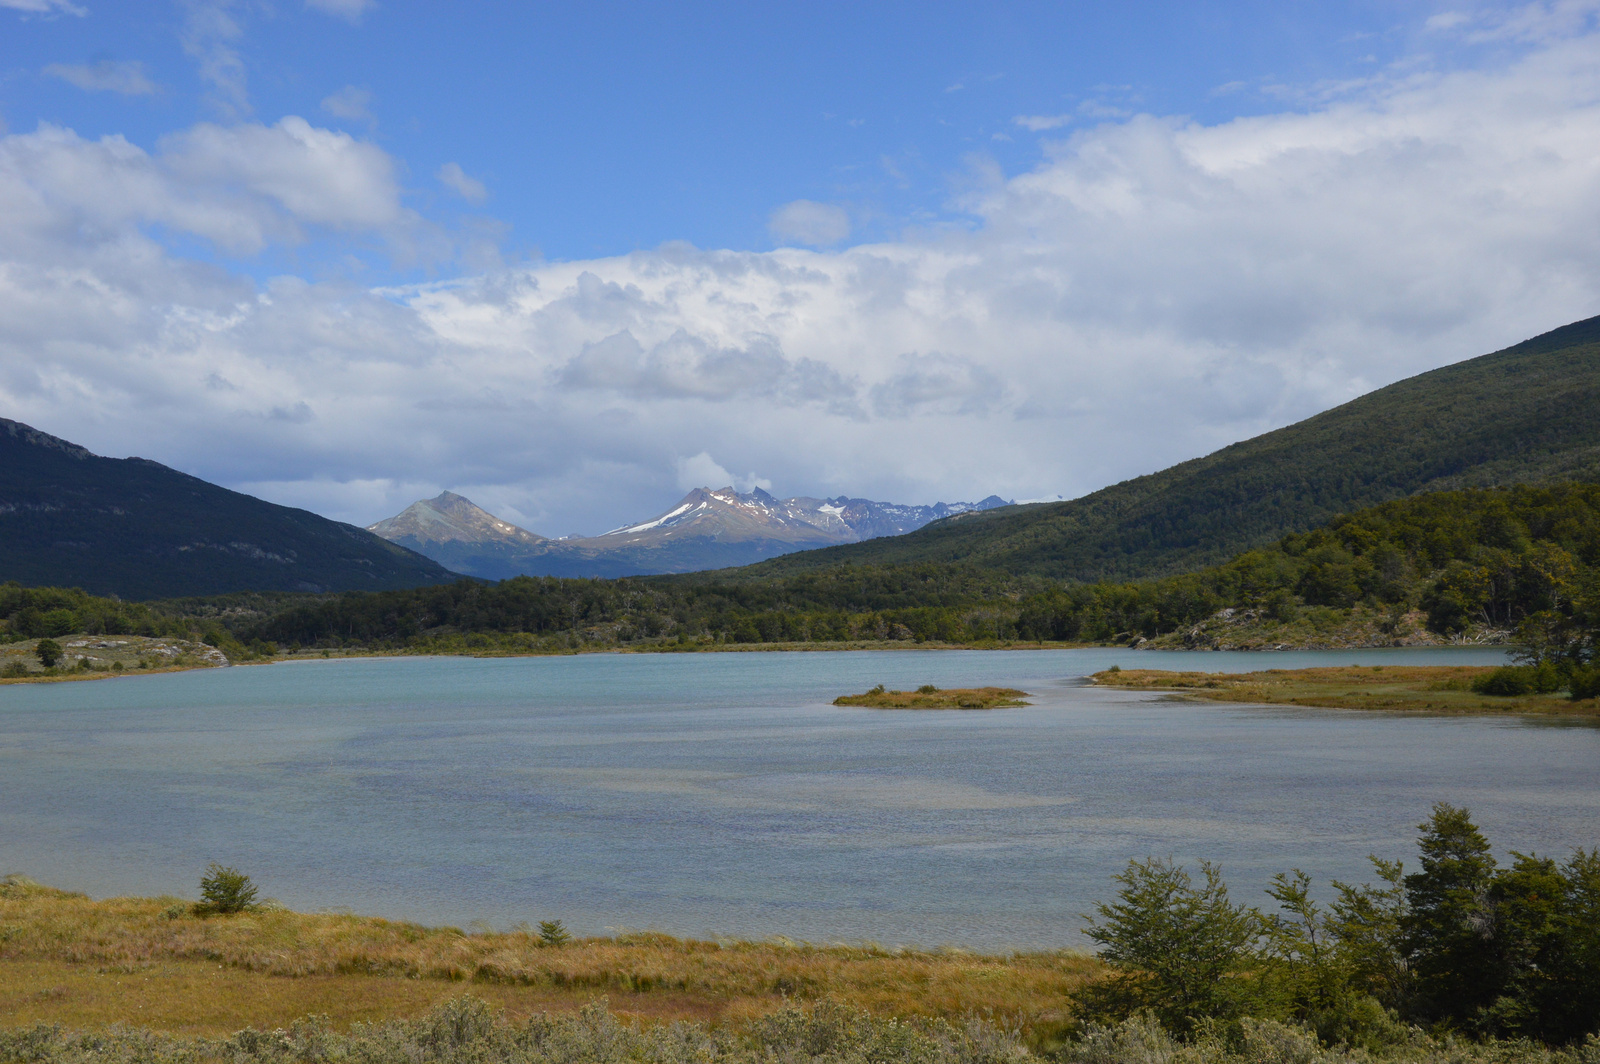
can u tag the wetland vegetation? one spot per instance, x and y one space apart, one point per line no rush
930 697
1424 688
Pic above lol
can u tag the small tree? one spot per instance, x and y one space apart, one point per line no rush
49 652
226 890
553 933
1449 927
1177 949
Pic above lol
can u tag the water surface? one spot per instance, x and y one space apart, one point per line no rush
720 794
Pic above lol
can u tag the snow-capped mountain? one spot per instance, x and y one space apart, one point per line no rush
706 530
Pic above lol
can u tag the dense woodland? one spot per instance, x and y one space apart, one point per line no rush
1522 559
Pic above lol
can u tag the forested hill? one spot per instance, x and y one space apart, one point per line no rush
1528 414
137 529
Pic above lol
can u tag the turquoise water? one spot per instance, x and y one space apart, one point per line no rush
720 794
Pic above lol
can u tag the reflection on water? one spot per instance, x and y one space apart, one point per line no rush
722 794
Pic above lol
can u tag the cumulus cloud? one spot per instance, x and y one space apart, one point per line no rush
806 222
1154 288
349 10
241 187
703 471
126 77
451 176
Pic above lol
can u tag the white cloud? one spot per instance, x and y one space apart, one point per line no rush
349 10
454 178
1040 123
126 77
209 30
1154 288
241 187
806 222
44 7
350 102
703 471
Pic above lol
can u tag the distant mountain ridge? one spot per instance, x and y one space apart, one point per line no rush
1527 414
707 529
136 529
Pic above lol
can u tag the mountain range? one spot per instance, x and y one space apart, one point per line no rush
1526 414
139 530
707 529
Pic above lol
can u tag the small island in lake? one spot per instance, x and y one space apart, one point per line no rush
930 697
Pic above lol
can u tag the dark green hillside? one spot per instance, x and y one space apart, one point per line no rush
1484 559
1528 414
136 529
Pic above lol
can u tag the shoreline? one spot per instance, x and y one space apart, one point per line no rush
71 959
369 654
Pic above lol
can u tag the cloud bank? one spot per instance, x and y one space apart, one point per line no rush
1153 289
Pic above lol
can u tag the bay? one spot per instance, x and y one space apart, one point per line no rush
721 795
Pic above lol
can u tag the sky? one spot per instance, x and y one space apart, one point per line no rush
573 260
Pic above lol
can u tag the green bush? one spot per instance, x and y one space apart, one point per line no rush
553 933
226 890
49 652
1585 683
1509 680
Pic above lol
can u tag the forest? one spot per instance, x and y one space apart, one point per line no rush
1521 564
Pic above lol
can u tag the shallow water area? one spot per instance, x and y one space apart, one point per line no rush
720 794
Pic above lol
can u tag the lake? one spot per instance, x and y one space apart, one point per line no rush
721 795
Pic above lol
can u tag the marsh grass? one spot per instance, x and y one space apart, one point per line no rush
54 938
931 697
1429 688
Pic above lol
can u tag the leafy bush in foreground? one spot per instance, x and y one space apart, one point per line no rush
1462 944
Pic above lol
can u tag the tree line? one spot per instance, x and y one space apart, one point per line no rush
1523 560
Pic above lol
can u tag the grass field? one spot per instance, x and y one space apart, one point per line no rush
68 959
1425 688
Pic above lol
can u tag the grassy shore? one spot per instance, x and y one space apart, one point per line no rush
1423 688
68 959
931 697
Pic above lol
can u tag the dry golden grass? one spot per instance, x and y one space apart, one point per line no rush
933 698
68 959
1426 688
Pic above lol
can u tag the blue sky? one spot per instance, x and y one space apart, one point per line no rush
571 260
599 129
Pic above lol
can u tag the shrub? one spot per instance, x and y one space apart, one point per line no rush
226 890
1509 680
1178 948
1585 683
14 670
49 652
927 689
553 933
